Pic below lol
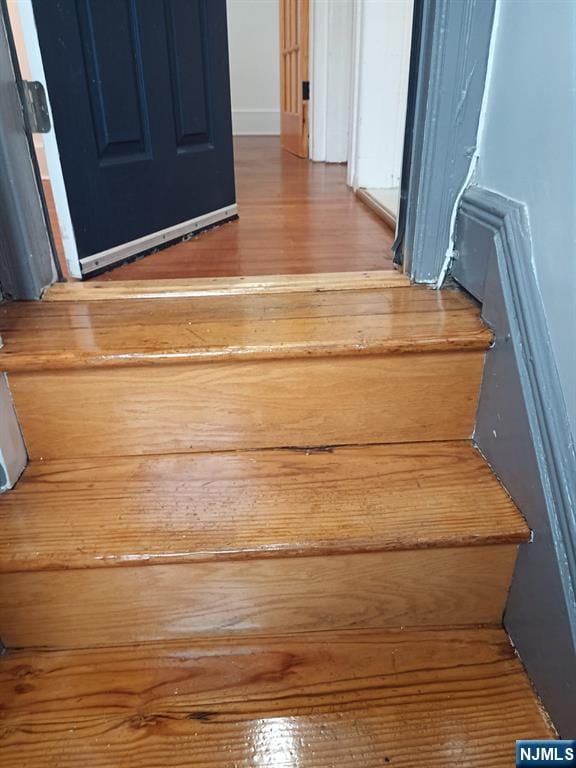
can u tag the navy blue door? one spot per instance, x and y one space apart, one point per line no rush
140 98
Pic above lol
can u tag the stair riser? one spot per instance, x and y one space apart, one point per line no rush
415 588
252 404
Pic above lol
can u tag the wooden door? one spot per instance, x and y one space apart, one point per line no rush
140 100
294 84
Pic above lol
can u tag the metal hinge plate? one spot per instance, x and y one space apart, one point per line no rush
36 106
306 90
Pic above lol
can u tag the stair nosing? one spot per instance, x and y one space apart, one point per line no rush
18 363
289 551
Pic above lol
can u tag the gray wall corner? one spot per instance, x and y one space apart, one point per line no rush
523 431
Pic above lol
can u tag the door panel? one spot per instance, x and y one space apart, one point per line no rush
114 76
294 34
140 100
186 29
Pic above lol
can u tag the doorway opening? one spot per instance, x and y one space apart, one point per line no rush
317 109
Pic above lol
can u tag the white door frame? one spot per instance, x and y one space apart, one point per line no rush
76 266
360 59
381 63
51 146
330 71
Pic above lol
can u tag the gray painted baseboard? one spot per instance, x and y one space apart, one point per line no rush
523 431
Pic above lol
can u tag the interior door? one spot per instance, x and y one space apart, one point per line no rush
140 99
294 82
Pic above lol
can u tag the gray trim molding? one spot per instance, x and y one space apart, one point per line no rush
523 431
27 265
449 81
13 456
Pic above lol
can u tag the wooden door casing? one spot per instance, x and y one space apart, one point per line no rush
294 57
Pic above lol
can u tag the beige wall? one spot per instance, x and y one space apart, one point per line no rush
254 46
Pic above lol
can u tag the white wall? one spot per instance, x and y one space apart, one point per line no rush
381 62
331 36
254 44
528 152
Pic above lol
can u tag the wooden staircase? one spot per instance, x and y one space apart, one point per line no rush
254 531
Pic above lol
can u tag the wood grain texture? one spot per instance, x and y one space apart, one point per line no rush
296 217
95 290
50 336
55 227
183 508
455 698
412 588
248 405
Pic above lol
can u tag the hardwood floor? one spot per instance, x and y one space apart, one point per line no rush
254 531
296 217
361 699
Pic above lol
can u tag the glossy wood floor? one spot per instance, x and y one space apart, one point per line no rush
296 217
361 699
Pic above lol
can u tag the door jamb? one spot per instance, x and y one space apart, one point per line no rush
27 251
448 66
51 146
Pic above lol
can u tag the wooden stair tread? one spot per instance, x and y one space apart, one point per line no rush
88 513
56 335
95 290
403 698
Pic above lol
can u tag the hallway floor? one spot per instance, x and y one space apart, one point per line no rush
296 217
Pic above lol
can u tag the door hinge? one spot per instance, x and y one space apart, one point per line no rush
36 106
306 90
